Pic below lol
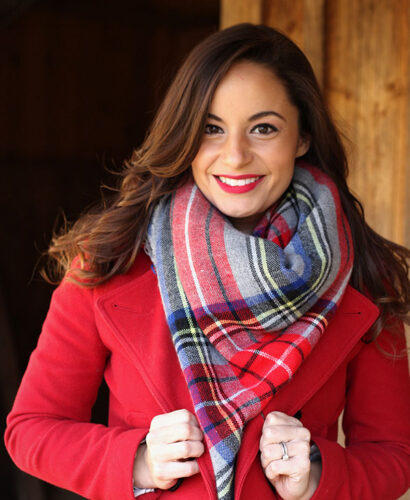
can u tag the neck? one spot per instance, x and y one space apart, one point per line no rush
245 224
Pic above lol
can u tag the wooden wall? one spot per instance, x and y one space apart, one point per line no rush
360 52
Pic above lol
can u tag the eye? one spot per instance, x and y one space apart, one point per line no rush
264 129
213 129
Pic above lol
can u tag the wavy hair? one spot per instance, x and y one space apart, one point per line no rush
108 240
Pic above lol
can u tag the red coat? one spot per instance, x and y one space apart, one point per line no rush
118 331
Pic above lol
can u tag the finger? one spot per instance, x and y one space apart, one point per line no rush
275 451
297 468
173 418
286 433
280 418
164 472
177 451
174 433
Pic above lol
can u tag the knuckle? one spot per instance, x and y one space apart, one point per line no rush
197 433
155 419
158 470
305 434
270 470
266 452
185 415
185 431
270 433
264 440
301 433
185 449
192 467
200 448
149 439
264 463
305 445
272 417
155 422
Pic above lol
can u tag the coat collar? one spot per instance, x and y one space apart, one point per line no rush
133 309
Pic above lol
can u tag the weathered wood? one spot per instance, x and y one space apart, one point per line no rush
366 84
303 22
239 11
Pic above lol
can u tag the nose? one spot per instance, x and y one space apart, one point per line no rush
235 151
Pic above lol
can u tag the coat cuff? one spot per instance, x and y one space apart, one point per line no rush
331 479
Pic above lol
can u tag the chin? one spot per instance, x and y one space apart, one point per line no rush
236 215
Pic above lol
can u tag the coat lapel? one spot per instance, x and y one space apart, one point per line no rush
134 314
355 316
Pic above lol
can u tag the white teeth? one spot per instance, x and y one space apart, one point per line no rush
237 182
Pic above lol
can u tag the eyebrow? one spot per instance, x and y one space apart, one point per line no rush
256 116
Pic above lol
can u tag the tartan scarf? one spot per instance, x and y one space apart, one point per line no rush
246 310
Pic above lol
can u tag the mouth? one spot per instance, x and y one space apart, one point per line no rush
238 184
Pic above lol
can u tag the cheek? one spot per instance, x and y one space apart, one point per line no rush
196 168
281 157
199 168
206 154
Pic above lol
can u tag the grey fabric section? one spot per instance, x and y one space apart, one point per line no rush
287 265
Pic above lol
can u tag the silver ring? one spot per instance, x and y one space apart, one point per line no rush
285 455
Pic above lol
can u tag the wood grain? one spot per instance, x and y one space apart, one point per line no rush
239 11
303 22
366 85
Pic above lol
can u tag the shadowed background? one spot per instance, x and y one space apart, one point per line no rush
79 83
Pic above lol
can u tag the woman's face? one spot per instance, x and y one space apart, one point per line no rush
247 155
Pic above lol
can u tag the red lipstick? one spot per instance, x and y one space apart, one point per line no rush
238 184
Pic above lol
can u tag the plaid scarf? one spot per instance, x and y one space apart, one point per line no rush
246 310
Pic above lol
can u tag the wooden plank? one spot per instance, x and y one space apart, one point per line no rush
303 22
240 11
366 83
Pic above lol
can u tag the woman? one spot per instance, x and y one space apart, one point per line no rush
265 306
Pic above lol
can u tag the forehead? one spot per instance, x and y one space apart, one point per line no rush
248 86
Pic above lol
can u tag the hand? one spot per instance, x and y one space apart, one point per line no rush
172 444
293 479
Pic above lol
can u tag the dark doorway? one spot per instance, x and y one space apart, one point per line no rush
79 84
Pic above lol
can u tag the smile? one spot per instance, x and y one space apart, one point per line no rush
239 184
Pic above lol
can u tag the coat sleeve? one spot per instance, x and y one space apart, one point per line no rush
49 433
376 461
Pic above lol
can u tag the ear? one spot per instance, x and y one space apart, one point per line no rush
303 145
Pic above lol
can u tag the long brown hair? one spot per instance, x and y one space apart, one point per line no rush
107 240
